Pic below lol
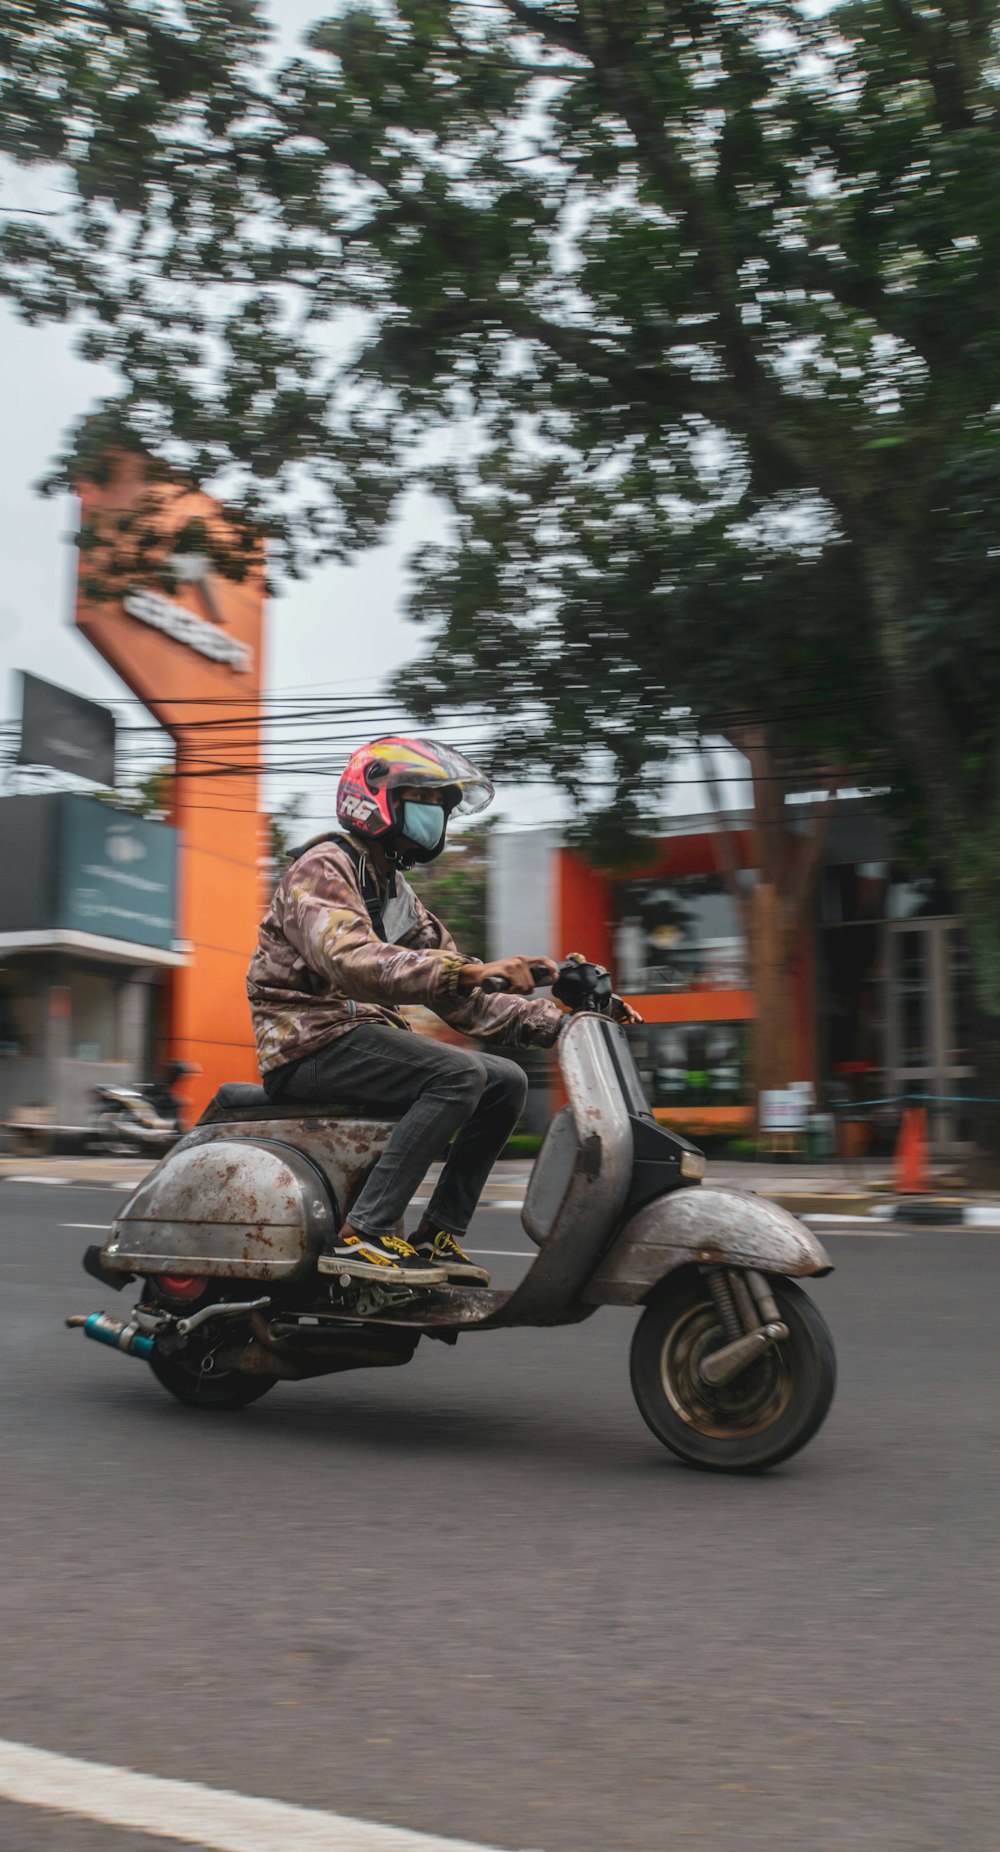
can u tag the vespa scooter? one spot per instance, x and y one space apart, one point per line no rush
732 1364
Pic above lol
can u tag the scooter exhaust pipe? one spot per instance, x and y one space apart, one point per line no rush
721 1366
114 1332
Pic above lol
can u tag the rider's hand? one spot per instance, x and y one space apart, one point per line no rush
523 975
623 1012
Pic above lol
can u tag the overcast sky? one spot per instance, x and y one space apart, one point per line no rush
343 626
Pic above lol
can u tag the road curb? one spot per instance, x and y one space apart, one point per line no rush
944 1212
918 1211
818 1202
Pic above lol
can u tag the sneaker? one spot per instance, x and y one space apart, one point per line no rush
443 1251
380 1257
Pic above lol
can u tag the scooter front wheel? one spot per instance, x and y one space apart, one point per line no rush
765 1414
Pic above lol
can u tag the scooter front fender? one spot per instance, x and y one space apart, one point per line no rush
709 1225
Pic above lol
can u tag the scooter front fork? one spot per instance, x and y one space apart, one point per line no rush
743 1300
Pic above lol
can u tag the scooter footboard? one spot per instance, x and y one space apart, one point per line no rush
706 1224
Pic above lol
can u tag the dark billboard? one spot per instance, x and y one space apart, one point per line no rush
63 730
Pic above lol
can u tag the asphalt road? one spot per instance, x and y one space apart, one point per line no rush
476 1598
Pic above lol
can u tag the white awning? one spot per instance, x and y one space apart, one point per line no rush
95 946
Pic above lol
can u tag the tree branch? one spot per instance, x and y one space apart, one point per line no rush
675 394
613 58
943 61
553 30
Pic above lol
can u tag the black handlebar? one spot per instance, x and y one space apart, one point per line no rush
491 985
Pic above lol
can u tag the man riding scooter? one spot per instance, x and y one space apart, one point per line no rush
345 942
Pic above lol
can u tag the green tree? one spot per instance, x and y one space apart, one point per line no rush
149 795
687 312
454 888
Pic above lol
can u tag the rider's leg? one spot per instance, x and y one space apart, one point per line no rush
476 1149
470 1161
432 1088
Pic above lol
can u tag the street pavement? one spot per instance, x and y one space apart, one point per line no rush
855 1188
475 1597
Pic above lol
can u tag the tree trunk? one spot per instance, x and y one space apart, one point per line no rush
773 1061
774 911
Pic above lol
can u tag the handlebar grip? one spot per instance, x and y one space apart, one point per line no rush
491 985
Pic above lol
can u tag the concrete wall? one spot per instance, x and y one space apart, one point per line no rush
23 1082
521 917
55 1077
521 894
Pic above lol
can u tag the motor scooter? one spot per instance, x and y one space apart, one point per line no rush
732 1364
144 1116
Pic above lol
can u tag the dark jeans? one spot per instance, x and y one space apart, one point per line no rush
439 1094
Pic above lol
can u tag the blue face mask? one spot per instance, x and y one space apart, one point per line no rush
423 823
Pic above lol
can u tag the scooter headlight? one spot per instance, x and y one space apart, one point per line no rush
693 1165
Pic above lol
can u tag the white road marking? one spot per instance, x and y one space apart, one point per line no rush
824 1215
213 1818
512 1202
71 1183
59 1183
860 1225
509 1253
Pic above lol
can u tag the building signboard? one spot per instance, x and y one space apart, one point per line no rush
117 874
786 1109
176 621
64 730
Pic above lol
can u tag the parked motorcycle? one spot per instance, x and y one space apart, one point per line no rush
732 1363
137 1119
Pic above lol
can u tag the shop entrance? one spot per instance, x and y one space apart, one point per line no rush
927 1029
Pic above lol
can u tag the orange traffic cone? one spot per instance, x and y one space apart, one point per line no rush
910 1174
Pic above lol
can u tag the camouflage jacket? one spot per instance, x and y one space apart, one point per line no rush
320 969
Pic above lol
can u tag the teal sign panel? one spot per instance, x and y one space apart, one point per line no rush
117 874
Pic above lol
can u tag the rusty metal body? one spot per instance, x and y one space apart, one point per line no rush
732 1367
707 1225
252 1195
251 1200
255 1193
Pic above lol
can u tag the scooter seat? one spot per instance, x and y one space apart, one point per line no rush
236 1102
240 1096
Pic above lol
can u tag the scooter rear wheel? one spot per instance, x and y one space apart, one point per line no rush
765 1414
215 1389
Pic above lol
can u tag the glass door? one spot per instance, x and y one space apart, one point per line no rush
926 1054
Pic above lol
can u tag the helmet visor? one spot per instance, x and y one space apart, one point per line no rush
426 762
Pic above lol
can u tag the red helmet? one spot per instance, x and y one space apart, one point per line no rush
367 802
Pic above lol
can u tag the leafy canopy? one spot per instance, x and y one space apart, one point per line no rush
686 311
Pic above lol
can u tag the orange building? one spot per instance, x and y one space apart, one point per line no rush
194 657
669 934
880 990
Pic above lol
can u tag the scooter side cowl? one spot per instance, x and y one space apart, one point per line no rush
224 1208
708 1225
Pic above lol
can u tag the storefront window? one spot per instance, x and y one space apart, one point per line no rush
20 1013
692 1064
682 934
